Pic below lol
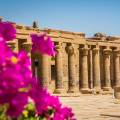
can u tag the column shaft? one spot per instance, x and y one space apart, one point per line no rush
96 70
107 81
117 74
84 71
44 70
91 70
12 45
117 69
112 73
59 70
71 69
27 46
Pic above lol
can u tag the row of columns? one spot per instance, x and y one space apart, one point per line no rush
94 68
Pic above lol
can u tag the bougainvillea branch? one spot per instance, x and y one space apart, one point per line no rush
18 87
43 44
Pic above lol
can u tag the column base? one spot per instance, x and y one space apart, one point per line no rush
72 91
97 91
86 91
107 90
58 91
117 92
78 94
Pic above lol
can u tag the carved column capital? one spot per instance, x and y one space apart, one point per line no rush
85 51
70 49
107 51
11 44
58 47
96 50
116 52
27 46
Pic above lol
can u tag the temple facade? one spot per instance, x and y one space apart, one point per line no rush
81 65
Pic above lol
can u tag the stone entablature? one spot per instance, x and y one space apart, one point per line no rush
82 65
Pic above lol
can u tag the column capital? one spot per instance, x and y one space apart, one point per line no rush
70 49
85 50
11 44
107 51
116 52
96 50
27 46
58 47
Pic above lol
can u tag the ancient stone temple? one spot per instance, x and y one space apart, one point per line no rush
82 65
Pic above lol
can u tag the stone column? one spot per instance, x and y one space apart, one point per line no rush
44 70
59 69
71 68
117 74
84 71
12 45
91 70
107 81
101 53
112 73
96 70
77 66
27 46
117 69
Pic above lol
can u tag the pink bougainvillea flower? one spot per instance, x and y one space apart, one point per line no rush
17 84
17 104
5 53
7 31
1 38
43 44
44 102
15 80
14 84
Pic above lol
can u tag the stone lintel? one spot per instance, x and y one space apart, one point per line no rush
64 34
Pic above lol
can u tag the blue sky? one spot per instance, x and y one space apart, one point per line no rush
89 16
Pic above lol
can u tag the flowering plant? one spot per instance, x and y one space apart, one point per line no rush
21 96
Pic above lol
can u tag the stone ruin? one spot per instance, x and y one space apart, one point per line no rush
82 65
